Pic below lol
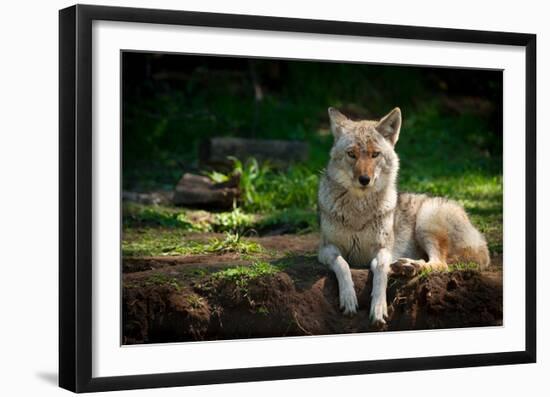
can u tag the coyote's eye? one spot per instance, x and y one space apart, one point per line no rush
375 155
351 153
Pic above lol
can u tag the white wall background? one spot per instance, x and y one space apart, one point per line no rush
28 194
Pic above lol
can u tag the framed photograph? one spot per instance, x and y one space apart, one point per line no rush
247 198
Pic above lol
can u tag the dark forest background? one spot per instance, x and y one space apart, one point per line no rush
450 142
452 117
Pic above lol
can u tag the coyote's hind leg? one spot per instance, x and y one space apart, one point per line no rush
445 234
435 248
411 267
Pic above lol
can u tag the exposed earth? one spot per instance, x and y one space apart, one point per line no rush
285 291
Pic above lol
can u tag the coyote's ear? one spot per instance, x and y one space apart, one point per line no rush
337 120
390 125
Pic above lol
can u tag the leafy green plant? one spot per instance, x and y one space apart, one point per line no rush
250 174
235 221
265 189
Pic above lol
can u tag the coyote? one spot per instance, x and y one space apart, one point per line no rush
364 220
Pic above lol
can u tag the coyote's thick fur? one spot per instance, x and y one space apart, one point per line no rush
364 220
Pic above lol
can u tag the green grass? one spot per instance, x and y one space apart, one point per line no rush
153 241
280 190
242 275
460 266
264 188
235 221
139 215
232 243
169 242
425 272
257 269
297 220
442 153
163 279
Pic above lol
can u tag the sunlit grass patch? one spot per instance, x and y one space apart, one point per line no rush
142 215
167 242
152 241
255 270
425 272
232 243
242 275
471 187
235 221
134 214
462 266
459 266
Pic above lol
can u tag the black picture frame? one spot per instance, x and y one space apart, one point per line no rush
75 197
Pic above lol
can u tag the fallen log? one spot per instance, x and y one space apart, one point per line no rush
200 191
215 152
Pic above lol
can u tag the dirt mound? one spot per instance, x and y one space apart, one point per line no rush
177 304
447 300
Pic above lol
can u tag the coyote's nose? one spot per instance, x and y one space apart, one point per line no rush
364 180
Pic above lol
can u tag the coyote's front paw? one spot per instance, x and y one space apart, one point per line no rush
405 267
378 312
348 301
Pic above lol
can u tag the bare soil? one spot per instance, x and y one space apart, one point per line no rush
171 299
